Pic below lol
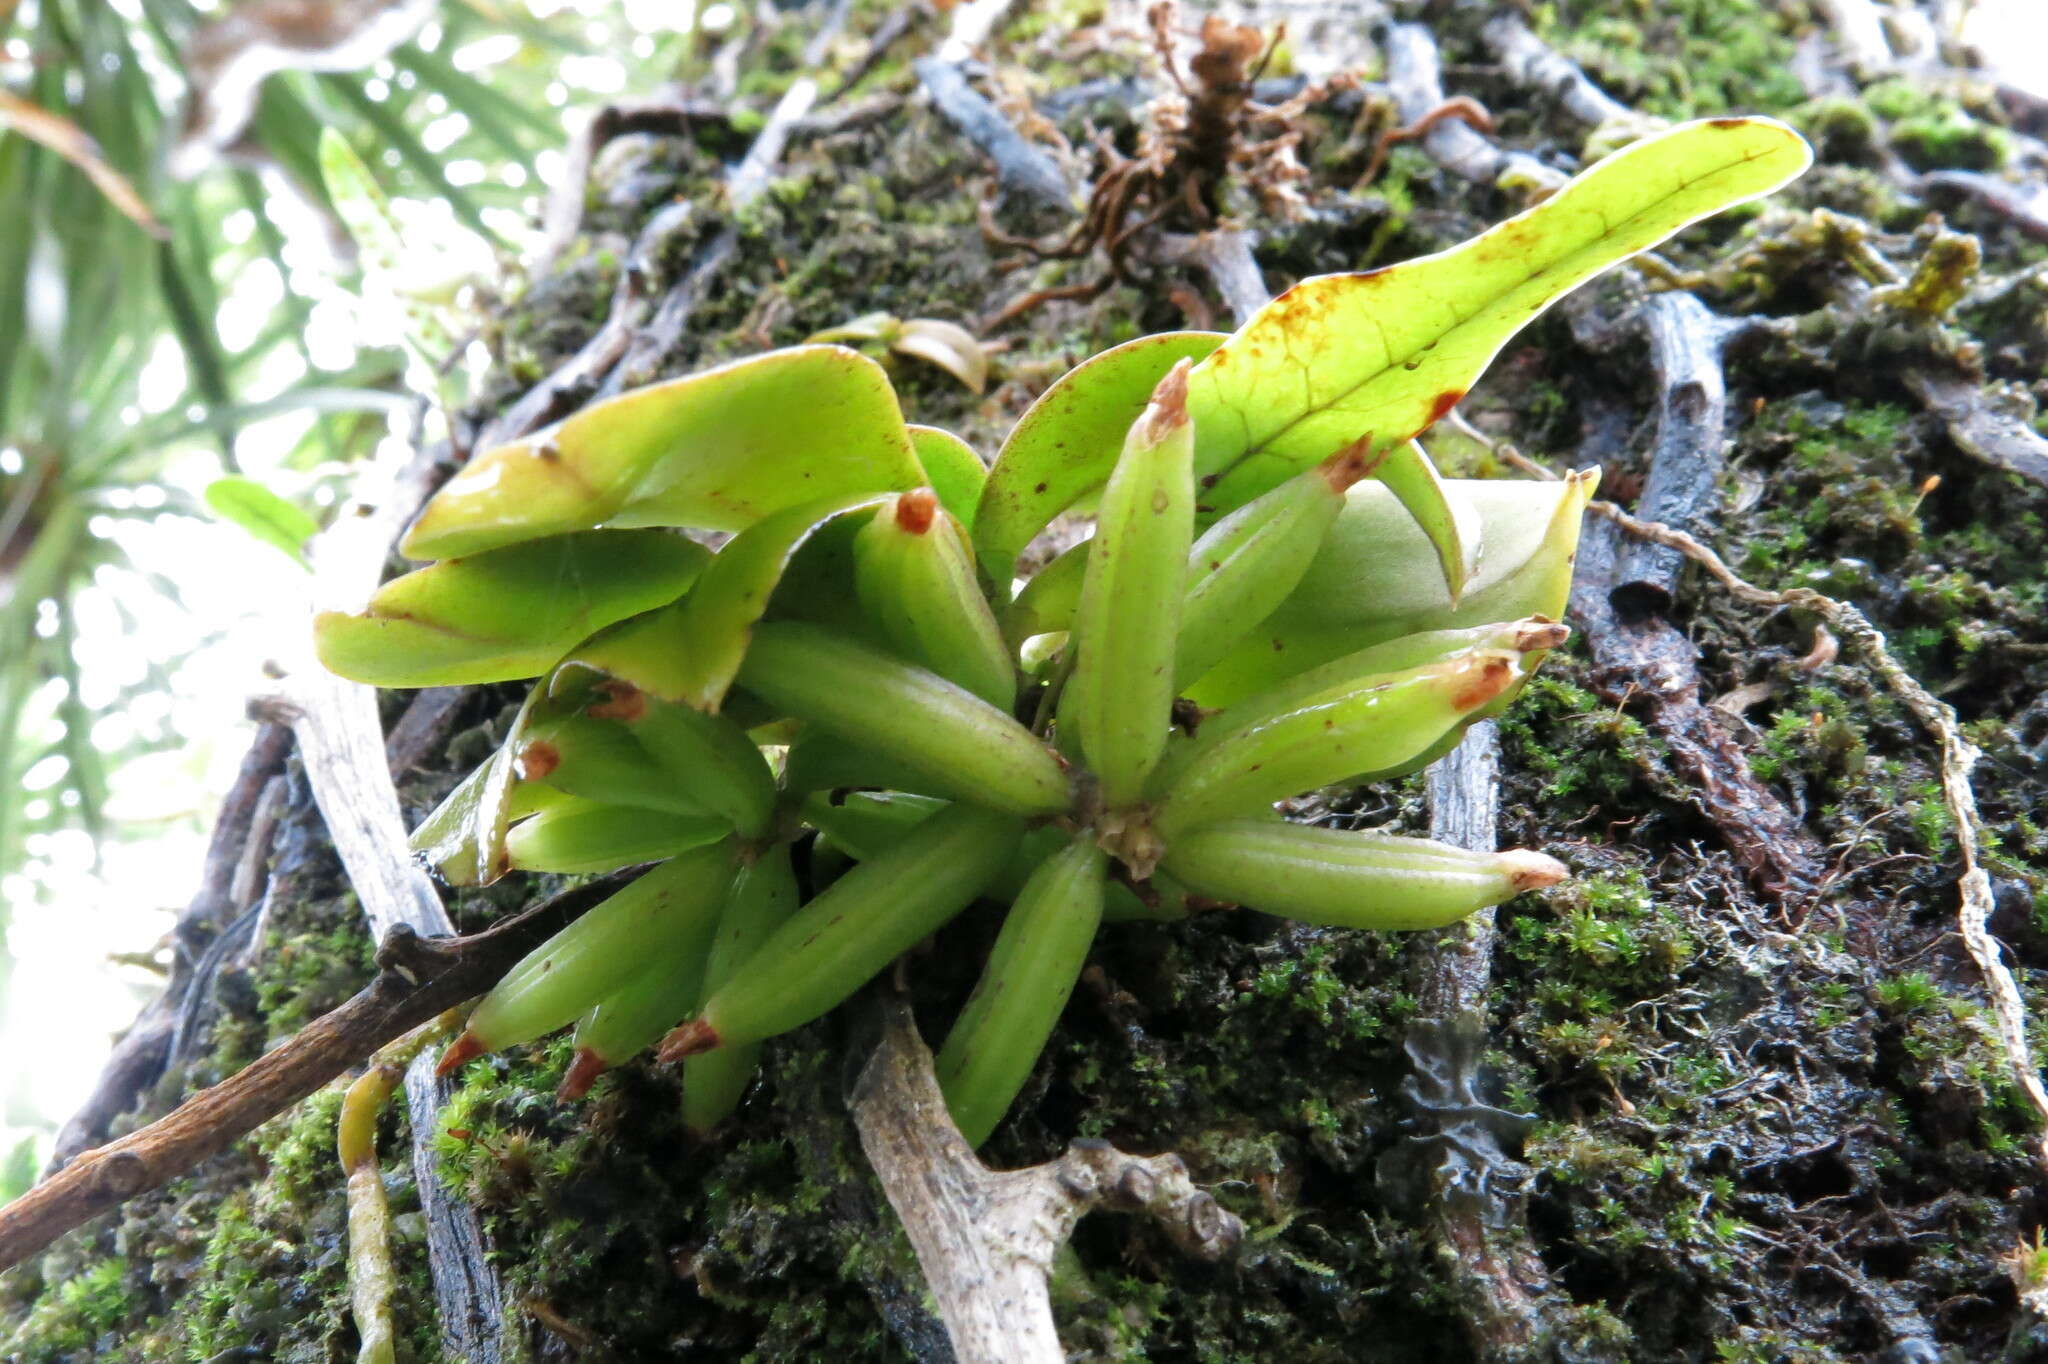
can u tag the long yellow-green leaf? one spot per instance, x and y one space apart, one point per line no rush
1064 447
1377 578
718 450
1390 351
508 613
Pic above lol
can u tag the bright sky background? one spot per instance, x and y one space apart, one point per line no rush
67 999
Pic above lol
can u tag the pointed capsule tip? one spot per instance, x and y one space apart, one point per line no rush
1540 632
915 511
1169 407
1529 870
689 1039
463 1050
584 1069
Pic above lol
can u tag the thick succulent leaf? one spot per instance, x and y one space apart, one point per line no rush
1448 521
1064 447
718 616
1378 578
506 613
718 450
952 469
1389 351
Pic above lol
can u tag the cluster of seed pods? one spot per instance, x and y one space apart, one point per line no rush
1261 611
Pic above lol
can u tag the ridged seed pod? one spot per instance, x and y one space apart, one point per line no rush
914 571
1347 879
1031 970
853 929
960 742
1119 697
576 836
762 899
567 974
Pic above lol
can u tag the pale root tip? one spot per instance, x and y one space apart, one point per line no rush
689 1039
461 1052
1169 407
1528 870
584 1069
1539 632
915 510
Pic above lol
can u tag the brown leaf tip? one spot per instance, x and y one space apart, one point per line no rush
461 1052
693 1038
623 702
915 511
1480 678
584 1068
538 759
1350 464
1537 632
1169 407
1528 870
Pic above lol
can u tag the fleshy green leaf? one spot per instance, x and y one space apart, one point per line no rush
689 652
262 513
952 469
1064 447
506 613
717 450
1388 352
1449 522
1378 577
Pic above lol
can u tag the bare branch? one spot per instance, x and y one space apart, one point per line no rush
986 1238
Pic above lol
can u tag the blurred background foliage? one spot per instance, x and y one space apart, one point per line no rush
183 338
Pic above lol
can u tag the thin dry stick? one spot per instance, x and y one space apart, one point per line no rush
417 979
986 1238
1958 757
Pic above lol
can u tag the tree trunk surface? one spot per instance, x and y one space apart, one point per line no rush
1733 1092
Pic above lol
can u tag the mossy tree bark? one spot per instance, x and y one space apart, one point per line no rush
1732 1093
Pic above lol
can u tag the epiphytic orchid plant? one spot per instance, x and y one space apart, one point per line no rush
1280 594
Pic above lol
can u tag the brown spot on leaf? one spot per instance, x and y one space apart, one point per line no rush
1445 401
538 759
623 702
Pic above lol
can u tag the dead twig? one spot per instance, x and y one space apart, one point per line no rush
1415 77
1023 168
417 978
987 1238
1533 63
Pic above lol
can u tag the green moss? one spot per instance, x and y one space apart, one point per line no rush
1680 58
1933 131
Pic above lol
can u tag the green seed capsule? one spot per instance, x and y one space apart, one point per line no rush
569 972
651 997
948 734
709 757
1366 724
600 760
914 571
854 929
580 835
868 823
1345 879
1246 564
1119 698
1030 973
761 900
820 760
